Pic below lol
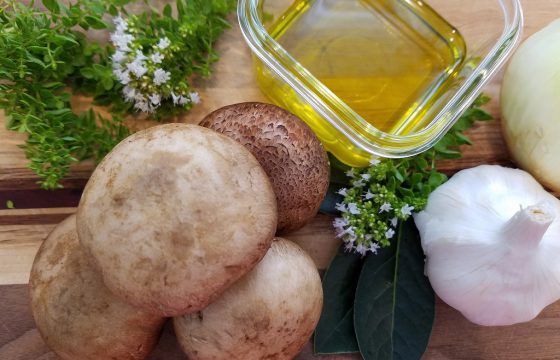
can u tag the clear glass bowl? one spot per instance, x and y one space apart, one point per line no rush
382 50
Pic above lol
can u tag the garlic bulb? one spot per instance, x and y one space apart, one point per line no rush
492 243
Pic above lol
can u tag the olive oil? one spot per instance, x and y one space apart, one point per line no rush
388 61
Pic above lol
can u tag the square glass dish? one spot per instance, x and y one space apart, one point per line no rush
378 77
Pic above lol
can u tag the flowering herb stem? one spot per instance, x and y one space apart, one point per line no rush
45 57
158 53
387 192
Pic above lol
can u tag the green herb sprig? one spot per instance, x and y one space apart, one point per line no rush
45 57
390 190
39 53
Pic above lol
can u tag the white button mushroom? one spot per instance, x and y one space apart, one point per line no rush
174 215
76 315
269 314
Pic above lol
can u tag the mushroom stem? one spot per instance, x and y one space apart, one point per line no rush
528 226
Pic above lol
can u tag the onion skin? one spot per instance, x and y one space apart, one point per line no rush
531 108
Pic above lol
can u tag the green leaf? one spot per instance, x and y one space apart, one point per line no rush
61 39
52 5
167 11
95 22
436 179
107 83
113 10
335 331
181 8
87 72
415 303
480 114
394 305
10 204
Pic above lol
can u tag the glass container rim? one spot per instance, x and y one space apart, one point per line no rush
260 42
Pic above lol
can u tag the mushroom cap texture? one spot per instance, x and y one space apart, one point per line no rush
76 315
289 152
270 313
174 215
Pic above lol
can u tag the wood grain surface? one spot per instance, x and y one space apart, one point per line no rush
23 229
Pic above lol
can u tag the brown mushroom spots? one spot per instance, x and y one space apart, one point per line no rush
289 152
174 215
76 314
270 313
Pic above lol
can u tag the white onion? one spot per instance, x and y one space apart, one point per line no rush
530 103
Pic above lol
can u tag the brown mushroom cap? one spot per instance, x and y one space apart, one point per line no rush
289 152
174 215
76 314
270 313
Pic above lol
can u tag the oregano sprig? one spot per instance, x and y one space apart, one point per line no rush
45 57
390 190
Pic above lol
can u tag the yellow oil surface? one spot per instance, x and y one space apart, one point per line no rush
387 60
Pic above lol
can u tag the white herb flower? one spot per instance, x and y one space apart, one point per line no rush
157 58
343 192
351 173
183 100
161 76
348 247
406 210
340 223
163 43
358 183
129 93
117 67
118 57
385 207
140 57
366 177
120 23
341 207
389 233
195 97
339 233
361 249
394 222
121 41
155 99
369 195
350 234
374 247
374 162
137 68
353 209
175 98
138 97
143 106
123 76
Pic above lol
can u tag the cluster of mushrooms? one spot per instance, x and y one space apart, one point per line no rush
180 221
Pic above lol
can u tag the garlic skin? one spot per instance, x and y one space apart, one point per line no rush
491 236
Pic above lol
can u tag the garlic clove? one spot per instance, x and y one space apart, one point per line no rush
491 236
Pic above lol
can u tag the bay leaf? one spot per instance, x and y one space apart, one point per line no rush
335 331
394 302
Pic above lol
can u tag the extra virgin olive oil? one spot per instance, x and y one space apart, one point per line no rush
387 60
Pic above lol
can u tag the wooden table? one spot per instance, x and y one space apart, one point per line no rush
23 229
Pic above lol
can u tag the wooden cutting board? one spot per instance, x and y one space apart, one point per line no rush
23 229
